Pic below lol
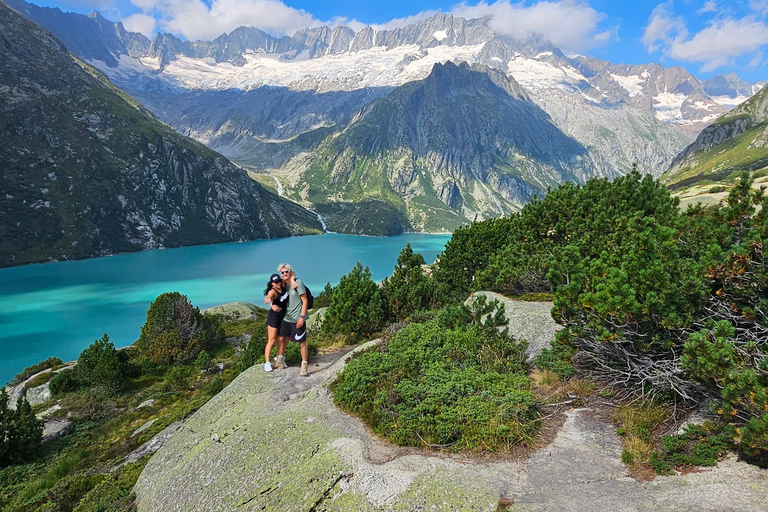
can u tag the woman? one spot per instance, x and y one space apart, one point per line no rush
277 296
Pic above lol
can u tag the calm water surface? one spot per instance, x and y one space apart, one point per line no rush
58 309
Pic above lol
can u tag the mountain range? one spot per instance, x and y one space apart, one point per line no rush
87 171
424 127
737 141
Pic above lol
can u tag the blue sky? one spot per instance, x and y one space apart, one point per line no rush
707 37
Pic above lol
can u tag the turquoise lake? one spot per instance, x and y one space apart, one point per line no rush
58 309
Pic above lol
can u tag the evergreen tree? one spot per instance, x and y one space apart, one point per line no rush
323 300
20 431
357 308
408 289
176 331
101 366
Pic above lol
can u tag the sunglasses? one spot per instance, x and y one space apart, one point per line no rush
285 271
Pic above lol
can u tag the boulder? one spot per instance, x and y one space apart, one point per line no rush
236 311
56 428
529 321
39 394
275 442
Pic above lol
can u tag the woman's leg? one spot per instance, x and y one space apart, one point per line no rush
271 337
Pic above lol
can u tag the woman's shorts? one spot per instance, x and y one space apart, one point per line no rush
274 319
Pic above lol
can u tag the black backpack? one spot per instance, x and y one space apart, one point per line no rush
310 298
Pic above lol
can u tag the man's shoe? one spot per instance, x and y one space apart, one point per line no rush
303 372
267 367
281 363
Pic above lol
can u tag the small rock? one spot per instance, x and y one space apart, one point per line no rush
48 412
153 444
55 429
144 427
146 403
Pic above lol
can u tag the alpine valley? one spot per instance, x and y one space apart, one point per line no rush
421 128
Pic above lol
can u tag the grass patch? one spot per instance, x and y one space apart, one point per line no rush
638 424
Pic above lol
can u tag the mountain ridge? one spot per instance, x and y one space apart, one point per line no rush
466 142
88 171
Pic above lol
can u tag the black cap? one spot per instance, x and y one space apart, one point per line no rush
275 278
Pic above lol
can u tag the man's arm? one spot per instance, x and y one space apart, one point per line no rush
303 316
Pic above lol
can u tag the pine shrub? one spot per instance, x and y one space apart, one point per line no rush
20 431
357 308
176 331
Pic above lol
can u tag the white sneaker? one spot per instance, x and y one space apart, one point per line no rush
267 367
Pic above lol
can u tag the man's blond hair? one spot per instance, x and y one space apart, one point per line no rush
284 266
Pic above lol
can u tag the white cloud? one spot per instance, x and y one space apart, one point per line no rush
193 19
719 43
140 23
709 6
759 6
716 45
662 27
569 24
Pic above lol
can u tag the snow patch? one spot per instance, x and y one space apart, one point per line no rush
667 106
374 67
728 102
150 62
536 75
440 35
633 84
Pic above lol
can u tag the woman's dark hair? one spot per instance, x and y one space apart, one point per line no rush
269 287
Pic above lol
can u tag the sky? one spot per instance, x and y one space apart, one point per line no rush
707 37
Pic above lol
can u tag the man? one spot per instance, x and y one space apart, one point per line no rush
294 325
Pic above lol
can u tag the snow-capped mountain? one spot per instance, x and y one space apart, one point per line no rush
730 90
263 100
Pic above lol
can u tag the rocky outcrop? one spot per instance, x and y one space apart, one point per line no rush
235 311
529 321
275 442
88 172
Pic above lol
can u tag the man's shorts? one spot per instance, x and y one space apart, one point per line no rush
294 333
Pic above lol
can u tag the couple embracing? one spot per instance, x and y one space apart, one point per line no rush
287 317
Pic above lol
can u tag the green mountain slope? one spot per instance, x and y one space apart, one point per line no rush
86 171
464 143
737 141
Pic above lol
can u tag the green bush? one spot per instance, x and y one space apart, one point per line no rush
356 309
64 382
556 358
176 331
253 352
408 289
203 361
463 389
323 299
29 371
20 431
216 385
697 445
177 377
468 252
101 365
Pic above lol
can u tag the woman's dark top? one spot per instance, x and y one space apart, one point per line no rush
275 317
